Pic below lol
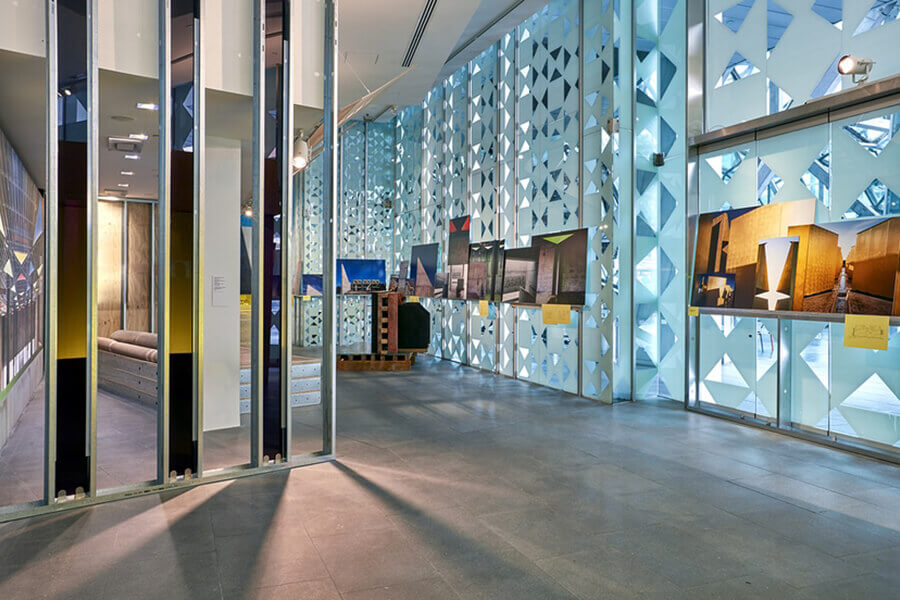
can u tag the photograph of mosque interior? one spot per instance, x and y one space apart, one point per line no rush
425 299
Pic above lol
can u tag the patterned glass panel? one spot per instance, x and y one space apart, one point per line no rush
483 145
312 216
865 390
548 120
455 143
765 56
408 164
355 322
728 362
311 322
506 141
659 227
482 336
435 307
810 374
506 321
604 165
454 341
352 208
547 354
379 191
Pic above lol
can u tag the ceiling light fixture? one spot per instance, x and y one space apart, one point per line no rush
147 106
859 68
133 157
139 136
301 154
126 173
123 185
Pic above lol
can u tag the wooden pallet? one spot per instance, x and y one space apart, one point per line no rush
385 322
374 362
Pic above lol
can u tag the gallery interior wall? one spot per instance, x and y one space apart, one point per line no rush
538 134
847 166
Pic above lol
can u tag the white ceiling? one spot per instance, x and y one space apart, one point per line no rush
373 38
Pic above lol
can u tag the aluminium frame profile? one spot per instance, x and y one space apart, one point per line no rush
287 212
257 157
330 234
164 210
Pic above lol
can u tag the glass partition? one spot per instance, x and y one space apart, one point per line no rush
22 300
127 366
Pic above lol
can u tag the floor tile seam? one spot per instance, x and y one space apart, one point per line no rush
879 483
631 557
322 559
434 575
744 483
763 572
794 537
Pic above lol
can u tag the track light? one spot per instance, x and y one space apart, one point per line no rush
301 154
859 68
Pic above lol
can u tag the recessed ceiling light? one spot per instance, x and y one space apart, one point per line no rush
139 136
147 106
122 184
133 157
126 173
67 92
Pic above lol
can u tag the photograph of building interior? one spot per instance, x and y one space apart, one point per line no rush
463 299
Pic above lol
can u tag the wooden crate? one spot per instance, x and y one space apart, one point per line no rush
374 362
384 317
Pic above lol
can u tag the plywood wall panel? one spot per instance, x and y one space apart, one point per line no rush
140 259
109 272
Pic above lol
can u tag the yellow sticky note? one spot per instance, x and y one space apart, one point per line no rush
693 311
412 298
304 298
866 331
483 308
556 314
246 302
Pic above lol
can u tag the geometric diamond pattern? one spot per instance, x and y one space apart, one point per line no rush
880 13
548 95
817 177
874 134
483 145
733 17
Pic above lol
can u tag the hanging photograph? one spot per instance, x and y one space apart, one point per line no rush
456 281
440 285
520 276
774 258
483 280
561 267
850 267
312 285
458 251
728 244
360 275
423 269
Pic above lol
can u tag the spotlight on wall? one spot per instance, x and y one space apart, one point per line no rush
301 154
859 68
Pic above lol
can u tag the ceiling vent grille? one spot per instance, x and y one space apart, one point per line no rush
419 32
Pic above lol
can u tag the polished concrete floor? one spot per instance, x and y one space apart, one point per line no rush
452 483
